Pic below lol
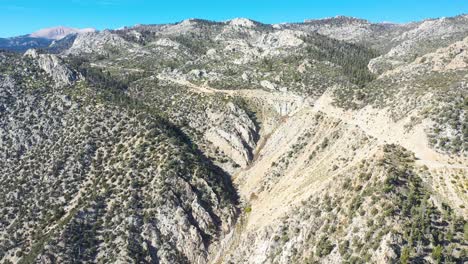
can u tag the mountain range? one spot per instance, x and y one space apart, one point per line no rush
334 140
43 38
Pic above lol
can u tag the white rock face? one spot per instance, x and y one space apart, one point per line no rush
165 42
54 66
187 25
285 38
211 52
31 53
188 22
57 33
234 134
268 85
97 42
242 22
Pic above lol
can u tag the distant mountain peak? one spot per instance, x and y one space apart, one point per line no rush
59 32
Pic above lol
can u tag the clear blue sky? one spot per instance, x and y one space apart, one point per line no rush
24 16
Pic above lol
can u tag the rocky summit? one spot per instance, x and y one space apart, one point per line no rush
329 141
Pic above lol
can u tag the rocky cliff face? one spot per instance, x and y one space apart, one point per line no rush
97 42
54 67
329 141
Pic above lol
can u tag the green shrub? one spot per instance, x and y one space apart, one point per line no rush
324 247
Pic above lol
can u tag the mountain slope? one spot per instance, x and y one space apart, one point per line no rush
23 43
50 38
106 175
237 142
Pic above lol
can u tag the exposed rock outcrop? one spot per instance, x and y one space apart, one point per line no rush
99 42
234 133
54 66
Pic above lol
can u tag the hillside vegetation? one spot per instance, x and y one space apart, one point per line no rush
328 141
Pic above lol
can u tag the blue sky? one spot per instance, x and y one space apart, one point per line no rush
19 17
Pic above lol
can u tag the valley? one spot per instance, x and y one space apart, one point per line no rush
329 141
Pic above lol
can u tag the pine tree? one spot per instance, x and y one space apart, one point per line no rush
405 255
437 253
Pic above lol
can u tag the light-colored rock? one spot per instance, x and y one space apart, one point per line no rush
99 42
242 22
268 85
284 38
234 134
54 66
165 42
